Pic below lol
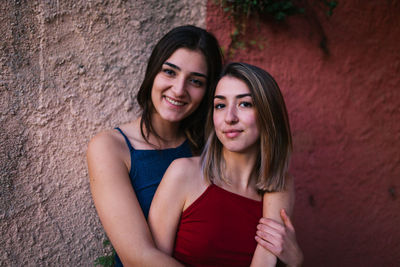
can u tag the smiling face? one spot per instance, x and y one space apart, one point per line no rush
180 85
234 116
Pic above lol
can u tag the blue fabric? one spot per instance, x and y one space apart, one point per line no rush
147 169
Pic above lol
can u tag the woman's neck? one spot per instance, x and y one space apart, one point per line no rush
239 170
169 133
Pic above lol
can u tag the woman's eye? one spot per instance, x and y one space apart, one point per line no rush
246 104
169 72
219 106
197 82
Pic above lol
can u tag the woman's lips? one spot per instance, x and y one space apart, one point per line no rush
174 101
232 133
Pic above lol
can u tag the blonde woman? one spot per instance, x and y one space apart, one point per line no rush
206 209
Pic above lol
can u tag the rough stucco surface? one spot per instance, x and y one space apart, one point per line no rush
344 110
69 69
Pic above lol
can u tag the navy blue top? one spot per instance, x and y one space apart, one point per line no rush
148 167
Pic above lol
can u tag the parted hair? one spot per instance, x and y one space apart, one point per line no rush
193 38
275 137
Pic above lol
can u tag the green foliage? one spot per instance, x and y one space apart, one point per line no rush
278 9
107 260
331 5
241 10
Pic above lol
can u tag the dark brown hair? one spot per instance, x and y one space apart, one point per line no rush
193 38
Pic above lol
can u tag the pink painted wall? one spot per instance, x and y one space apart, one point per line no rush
344 110
68 70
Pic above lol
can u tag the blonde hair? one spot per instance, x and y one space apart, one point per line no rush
275 138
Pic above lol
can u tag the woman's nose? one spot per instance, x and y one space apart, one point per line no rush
179 87
231 115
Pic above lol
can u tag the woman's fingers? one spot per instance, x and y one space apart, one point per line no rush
268 233
272 235
269 236
280 239
272 247
271 223
286 220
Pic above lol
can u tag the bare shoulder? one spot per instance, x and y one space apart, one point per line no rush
187 175
108 156
104 137
109 141
185 170
186 164
181 168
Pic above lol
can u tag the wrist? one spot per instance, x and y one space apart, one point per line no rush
298 262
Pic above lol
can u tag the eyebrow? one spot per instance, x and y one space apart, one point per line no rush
178 68
238 96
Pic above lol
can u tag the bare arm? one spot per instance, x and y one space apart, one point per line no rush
273 203
117 205
280 240
167 205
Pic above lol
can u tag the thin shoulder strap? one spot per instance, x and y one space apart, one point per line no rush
126 139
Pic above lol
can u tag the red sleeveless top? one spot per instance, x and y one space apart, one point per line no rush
218 229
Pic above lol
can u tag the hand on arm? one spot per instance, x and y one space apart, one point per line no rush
280 239
273 203
117 205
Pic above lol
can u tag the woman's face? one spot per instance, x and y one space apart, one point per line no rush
180 85
235 116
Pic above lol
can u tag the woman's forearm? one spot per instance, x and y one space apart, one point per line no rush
263 257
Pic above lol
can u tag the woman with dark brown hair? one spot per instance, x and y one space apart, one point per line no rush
126 164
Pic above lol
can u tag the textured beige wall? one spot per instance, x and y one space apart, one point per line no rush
68 70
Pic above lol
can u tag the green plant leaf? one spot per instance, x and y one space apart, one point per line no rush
241 12
280 16
333 4
105 261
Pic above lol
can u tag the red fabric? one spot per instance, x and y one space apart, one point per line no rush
218 229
